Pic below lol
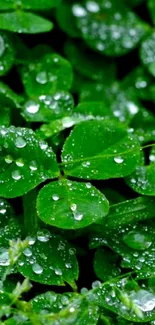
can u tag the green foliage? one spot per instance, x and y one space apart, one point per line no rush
77 160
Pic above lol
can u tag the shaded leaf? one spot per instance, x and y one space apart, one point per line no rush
24 22
65 20
147 53
29 4
92 66
7 53
105 264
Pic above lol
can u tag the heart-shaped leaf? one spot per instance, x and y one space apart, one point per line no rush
71 205
100 150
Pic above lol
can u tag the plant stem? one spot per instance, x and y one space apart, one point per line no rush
30 213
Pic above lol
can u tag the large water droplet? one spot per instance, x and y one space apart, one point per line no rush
144 299
33 165
43 235
37 268
4 257
32 107
55 197
42 77
78 216
8 159
20 162
73 207
68 265
58 272
16 175
137 240
27 252
20 142
118 159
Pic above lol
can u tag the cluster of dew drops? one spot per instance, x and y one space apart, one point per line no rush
20 142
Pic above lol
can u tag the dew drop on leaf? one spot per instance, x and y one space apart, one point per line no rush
137 240
16 175
4 257
8 159
27 252
32 107
20 142
43 235
58 272
118 159
55 197
37 268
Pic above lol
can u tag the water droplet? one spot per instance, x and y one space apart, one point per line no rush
78 216
118 159
137 240
72 251
2 211
33 165
4 257
20 162
96 284
144 299
20 142
31 240
27 252
92 6
73 207
133 109
16 175
32 107
58 272
68 265
42 77
79 11
37 268
152 158
72 310
43 145
88 185
55 197
84 290
43 235
86 164
8 159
